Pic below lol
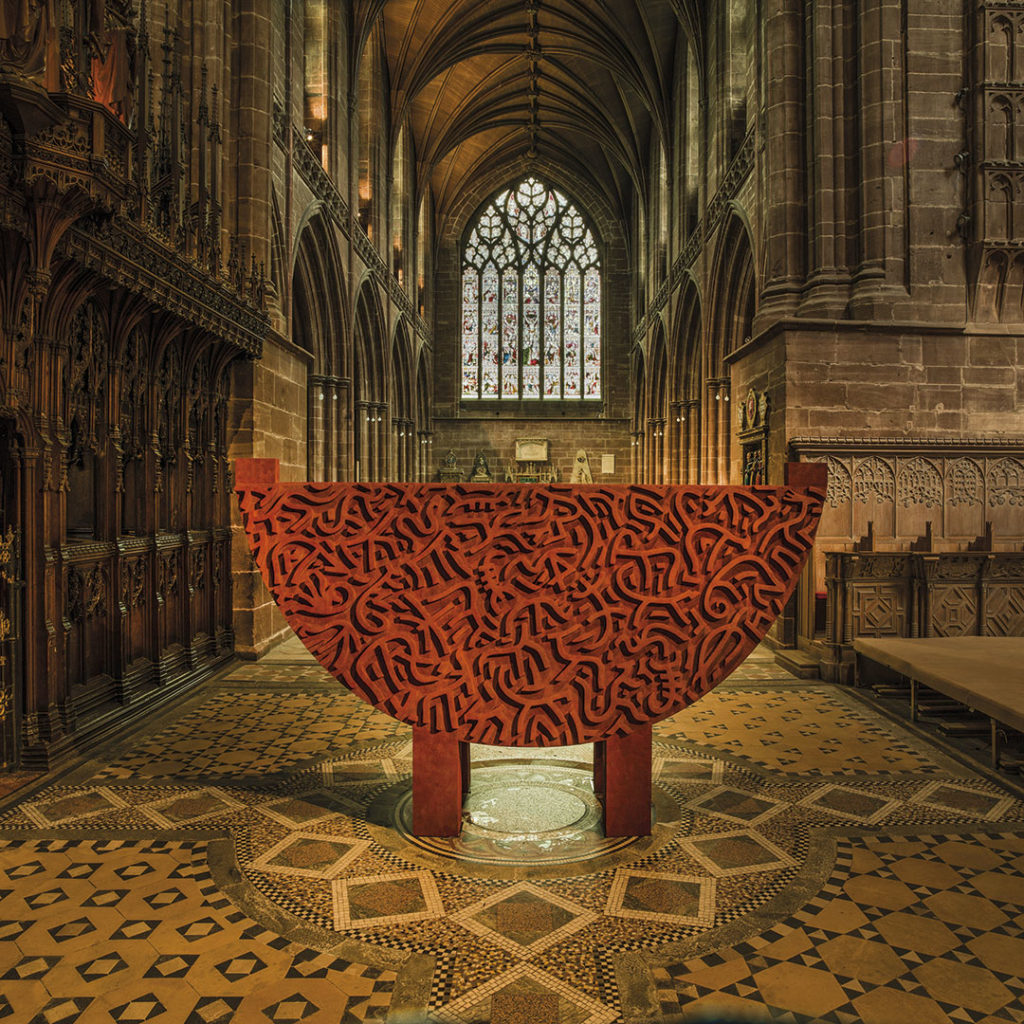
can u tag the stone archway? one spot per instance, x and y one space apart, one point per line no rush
733 305
684 408
370 409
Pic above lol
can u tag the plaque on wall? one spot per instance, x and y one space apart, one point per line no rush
531 449
753 437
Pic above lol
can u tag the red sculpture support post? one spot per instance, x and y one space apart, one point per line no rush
529 615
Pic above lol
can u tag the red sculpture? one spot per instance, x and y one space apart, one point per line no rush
529 615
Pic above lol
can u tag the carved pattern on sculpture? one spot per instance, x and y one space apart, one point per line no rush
919 483
529 615
875 479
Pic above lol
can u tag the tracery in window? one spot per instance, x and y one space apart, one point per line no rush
531 300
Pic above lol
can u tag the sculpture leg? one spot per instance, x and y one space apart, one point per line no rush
622 780
464 765
437 783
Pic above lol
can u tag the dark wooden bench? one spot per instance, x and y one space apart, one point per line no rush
984 672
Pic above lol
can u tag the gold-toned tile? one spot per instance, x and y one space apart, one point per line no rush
869 961
874 891
1002 953
887 1005
958 908
963 985
918 933
841 915
801 990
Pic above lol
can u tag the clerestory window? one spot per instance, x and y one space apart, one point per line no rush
531 299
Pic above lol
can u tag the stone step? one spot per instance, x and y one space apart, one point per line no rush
799 663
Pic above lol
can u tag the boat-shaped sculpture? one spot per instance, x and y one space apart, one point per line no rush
529 615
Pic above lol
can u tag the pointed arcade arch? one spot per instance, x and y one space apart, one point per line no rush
370 406
734 302
684 418
318 318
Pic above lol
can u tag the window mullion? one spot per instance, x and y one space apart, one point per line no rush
520 332
480 333
501 333
583 333
563 296
542 308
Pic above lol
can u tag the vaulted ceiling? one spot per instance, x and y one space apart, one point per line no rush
582 85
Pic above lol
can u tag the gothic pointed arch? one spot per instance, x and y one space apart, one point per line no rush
684 407
531 299
733 305
318 291
369 384
637 446
657 405
318 319
402 403
734 293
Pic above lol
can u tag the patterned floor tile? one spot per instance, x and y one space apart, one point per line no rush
852 804
526 995
737 852
661 896
863 876
524 919
809 730
401 898
310 855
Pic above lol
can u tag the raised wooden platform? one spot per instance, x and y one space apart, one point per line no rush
984 672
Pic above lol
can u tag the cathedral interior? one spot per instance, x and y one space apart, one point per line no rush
648 242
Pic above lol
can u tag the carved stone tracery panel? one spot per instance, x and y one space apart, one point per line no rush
919 483
965 483
1006 483
874 478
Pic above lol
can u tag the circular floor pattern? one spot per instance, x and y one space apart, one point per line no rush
522 809
521 815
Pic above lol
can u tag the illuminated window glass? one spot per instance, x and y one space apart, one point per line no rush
531 300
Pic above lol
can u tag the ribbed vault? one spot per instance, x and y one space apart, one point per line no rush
584 84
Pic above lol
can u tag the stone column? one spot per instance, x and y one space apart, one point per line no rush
676 446
361 469
252 140
883 150
786 199
711 425
692 412
724 431
828 283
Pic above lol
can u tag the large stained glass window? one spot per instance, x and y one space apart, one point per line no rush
531 300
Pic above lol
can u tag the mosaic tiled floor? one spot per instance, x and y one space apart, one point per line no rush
249 859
